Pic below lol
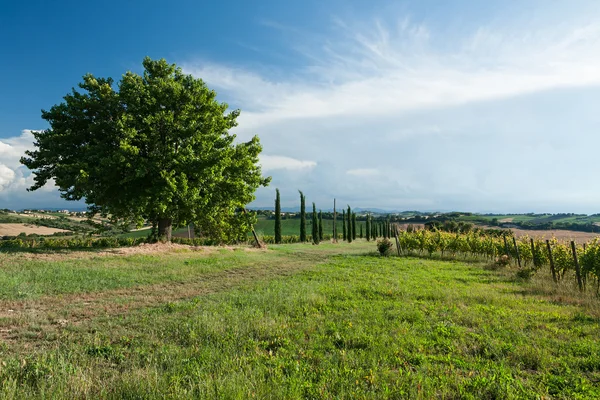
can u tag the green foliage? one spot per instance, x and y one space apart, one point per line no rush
302 217
277 217
353 226
384 246
344 225
69 243
156 149
349 234
320 225
315 225
492 247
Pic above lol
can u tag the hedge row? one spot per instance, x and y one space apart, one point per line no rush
70 243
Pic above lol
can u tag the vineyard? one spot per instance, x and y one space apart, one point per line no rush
565 260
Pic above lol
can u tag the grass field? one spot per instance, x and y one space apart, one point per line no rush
294 321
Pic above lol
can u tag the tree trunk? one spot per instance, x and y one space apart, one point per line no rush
164 229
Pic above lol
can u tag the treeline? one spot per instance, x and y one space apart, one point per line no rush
371 229
542 223
19 243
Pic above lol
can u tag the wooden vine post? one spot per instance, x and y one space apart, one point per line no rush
577 269
551 258
506 246
258 244
517 251
397 240
533 258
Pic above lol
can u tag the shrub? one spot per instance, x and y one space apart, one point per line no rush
384 246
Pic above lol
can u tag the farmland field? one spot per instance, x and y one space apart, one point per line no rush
560 234
15 229
293 321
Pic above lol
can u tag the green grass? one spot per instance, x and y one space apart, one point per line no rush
329 321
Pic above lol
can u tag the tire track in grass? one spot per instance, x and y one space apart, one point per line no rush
36 321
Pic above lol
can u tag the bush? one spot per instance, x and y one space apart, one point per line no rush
384 246
525 274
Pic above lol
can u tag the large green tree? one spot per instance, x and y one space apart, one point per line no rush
154 147
277 217
302 217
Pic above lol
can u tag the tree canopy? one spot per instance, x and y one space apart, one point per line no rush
157 147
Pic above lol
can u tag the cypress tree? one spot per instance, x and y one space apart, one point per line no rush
368 227
320 225
335 237
344 224
361 231
349 224
315 226
302 217
373 234
353 226
277 217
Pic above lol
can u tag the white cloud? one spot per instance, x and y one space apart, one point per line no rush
456 120
382 71
16 178
270 163
11 150
6 176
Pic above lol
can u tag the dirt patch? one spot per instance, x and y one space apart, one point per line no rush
560 234
505 220
15 229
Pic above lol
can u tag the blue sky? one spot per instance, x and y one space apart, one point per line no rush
486 106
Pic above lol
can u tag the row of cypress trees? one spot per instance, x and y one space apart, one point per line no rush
373 229
317 220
